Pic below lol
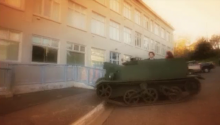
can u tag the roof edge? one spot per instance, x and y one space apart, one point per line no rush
152 11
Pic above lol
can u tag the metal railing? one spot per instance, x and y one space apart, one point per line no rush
28 74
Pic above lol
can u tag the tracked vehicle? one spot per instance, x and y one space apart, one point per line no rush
144 82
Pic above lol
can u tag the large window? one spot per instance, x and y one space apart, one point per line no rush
145 22
114 58
114 30
75 54
127 35
76 16
114 5
127 10
156 47
9 44
97 57
137 39
45 50
98 24
48 8
146 43
152 45
137 17
19 4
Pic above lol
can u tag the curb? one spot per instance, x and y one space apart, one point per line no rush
89 117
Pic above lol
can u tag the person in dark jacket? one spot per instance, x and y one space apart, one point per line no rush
151 55
169 55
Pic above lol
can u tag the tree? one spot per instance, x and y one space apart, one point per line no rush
203 50
215 41
180 49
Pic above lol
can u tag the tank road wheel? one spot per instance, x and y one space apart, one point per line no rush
131 97
104 91
150 95
193 87
174 94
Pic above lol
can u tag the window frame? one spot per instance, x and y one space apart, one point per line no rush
19 46
111 26
93 18
110 6
75 51
136 20
125 31
104 55
130 10
39 45
81 13
148 44
111 60
138 37
45 17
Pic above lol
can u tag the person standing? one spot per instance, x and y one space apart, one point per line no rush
169 55
151 55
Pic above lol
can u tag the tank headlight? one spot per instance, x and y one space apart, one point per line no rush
111 75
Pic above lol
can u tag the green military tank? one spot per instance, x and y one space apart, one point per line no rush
144 82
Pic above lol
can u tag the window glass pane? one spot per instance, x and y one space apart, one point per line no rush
47 8
14 3
38 54
76 47
9 50
14 36
46 42
36 40
38 6
69 46
75 58
3 33
55 11
82 48
97 58
54 43
51 55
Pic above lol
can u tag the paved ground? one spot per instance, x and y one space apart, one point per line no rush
203 109
54 107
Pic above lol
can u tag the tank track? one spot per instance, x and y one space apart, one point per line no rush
188 86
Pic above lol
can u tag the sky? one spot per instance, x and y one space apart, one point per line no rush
190 18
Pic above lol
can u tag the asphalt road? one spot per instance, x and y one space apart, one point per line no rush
202 109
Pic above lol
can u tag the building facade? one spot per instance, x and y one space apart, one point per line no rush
81 32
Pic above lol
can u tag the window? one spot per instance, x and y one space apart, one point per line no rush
137 39
103 2
156 47
167 36
97 57
75 54
19 4
114 5
156 29
151 26
98 24
114 58
48 8
114 30
44 49
152 45
145 23
164 50
162 33
77 16
127 35
127 11
126 58
9 44
137 17
146 43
